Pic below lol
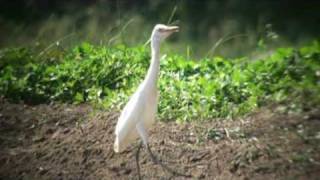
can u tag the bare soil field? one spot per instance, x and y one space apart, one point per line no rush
61 141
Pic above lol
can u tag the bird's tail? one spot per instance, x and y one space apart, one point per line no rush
116 145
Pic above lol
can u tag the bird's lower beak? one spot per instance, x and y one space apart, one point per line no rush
173 29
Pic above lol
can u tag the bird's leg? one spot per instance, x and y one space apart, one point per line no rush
157 161
137 159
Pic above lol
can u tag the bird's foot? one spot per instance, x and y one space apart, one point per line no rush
157 161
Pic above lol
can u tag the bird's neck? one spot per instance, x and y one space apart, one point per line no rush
153 71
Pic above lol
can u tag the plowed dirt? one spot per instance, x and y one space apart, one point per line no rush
60 141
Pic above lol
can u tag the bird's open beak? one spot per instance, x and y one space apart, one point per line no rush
173 29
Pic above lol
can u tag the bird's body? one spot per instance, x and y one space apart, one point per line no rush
139 113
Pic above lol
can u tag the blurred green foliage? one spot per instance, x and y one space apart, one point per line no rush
189 89
203 23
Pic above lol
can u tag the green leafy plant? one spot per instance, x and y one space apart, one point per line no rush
189 89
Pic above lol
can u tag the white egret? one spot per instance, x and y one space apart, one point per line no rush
139 113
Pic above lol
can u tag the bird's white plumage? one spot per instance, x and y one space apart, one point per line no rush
139 109
139 113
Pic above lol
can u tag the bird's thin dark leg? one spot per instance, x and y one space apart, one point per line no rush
137 159
157 161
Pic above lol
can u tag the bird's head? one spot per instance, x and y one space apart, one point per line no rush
161 31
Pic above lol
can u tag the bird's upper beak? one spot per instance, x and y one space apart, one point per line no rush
172 29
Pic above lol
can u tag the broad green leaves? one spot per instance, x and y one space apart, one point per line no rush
189 90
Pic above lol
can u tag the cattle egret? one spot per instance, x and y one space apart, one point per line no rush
139 113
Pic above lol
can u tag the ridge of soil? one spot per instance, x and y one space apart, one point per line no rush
60 141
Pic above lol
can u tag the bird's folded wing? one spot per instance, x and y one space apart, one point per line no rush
130 116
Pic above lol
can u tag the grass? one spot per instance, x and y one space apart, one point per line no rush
104 27
200 89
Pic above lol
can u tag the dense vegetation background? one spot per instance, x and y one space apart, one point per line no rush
43 58
245 25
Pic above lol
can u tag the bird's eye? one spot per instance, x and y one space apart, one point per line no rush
161 30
